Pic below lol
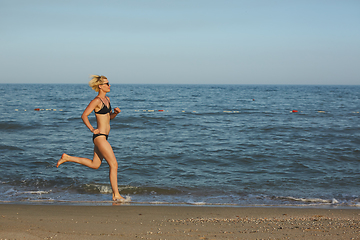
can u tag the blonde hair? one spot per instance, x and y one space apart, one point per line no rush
95 81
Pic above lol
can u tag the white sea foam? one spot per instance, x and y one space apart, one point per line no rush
309 200
125 200
33 192
197 203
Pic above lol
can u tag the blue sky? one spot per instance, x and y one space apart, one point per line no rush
184 41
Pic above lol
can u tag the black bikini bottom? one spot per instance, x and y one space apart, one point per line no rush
100 134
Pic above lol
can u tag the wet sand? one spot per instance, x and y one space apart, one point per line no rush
175 222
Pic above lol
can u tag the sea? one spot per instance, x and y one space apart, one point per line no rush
212 145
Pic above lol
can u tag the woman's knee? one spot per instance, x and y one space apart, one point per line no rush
113 165
96 165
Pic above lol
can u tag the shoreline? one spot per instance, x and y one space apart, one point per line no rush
176 204
123 221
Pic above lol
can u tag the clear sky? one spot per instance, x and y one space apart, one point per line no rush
181 41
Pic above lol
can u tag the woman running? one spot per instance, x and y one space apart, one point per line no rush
102 149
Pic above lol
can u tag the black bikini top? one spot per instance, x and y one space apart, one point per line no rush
104 109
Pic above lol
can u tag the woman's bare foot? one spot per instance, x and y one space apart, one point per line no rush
117 198
64 158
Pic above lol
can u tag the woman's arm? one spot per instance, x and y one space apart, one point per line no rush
115 113
92 105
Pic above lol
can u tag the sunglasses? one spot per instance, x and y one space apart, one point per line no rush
106 84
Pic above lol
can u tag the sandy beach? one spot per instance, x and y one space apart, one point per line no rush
175 222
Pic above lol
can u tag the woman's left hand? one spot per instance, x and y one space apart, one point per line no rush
117 110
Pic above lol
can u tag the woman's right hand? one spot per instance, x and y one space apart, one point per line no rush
96 131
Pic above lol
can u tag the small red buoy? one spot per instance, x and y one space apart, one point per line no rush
294 111
37 109
160 110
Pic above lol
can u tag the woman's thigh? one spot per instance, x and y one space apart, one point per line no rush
104 150
98 157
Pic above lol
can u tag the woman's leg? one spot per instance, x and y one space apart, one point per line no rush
95 163
107 152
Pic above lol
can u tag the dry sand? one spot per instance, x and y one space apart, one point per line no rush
175 222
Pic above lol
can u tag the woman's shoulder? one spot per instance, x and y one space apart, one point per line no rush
96 101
